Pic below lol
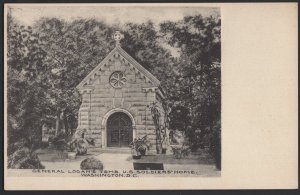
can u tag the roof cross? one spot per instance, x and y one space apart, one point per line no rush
117 36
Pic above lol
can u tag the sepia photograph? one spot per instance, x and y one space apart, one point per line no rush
150 96
113 91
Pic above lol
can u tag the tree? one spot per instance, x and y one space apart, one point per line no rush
73 50
198 82
143 42
179 118
26 81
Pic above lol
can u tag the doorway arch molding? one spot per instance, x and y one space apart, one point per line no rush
104 124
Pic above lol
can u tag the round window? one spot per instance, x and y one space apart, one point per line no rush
117 79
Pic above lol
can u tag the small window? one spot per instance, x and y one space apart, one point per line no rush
117 79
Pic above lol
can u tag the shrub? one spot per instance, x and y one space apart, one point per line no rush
141 145
59 143
23 158
180 152
79 143
91 164
81 148
12 147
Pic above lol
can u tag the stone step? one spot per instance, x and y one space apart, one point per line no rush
122 150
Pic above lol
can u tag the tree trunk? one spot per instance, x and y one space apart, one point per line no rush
155 116
158 136
57 126
65 122
158 142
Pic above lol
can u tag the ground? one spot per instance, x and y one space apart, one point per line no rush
200 162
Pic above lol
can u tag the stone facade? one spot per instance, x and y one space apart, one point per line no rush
136 90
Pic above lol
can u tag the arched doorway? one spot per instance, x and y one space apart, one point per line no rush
119 130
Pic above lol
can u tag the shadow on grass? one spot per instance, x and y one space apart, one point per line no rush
50 155
200 157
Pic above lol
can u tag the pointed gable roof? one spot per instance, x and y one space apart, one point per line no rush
127 59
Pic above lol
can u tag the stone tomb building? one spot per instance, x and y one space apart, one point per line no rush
116 96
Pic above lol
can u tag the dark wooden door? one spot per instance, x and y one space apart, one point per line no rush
119 130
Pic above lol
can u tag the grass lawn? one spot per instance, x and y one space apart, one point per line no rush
199 157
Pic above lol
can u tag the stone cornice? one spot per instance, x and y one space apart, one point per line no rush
154 89
86 90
